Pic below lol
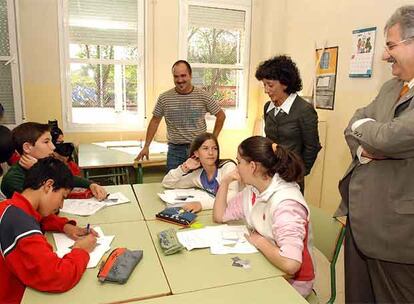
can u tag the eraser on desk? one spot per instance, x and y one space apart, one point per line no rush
196 225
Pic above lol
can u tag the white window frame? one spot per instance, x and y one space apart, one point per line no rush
66 91
233 116
14 61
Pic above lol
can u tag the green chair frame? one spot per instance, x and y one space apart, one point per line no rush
328 235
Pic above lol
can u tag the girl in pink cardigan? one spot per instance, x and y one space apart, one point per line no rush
272 206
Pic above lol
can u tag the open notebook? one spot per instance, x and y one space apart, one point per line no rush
89 206
64 246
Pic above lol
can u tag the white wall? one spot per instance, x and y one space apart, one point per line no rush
314 22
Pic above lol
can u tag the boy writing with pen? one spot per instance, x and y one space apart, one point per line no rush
27 259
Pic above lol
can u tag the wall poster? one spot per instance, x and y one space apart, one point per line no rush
363 42
326 77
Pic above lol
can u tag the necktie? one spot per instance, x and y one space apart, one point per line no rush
401 107
404 90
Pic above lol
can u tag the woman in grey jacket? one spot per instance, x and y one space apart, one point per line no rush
289 120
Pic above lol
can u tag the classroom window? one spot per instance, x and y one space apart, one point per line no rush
214 38
103 64
10 86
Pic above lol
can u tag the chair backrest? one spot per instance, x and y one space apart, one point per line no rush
326 232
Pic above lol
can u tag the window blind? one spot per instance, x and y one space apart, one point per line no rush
6 81
4 30
6 94
220 18
104 22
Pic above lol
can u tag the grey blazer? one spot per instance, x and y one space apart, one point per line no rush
297 131
378 197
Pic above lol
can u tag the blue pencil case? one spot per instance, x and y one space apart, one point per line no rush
176 215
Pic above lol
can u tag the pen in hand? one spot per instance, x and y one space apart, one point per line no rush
88 226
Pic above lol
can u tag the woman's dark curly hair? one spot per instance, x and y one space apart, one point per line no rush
283 69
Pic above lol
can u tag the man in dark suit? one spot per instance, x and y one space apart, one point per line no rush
378 188
289 120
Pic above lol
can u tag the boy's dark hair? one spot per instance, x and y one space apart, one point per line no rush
6 145
1 110
49 168
282 69
282 161
28 132
190 71
65 149
55 132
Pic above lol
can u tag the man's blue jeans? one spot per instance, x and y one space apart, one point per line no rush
176 155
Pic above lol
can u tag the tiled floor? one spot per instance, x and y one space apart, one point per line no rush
323 279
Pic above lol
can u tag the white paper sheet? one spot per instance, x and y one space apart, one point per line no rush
83 207
89 206
116 199
178 197
64 246
221 239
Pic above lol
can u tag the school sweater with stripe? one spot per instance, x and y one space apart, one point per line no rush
27 259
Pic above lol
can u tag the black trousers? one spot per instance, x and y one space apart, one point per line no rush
370 280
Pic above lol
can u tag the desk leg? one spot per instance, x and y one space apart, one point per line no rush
86 172
140 174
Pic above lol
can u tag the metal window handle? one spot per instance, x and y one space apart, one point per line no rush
11 60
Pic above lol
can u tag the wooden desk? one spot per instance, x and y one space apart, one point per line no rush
150 202
147 280
273 290
127 212
197 269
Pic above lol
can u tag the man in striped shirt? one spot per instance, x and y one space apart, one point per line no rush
184 108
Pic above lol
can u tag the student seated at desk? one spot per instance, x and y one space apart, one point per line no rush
27 259
64 150
33 141
204 170
273 207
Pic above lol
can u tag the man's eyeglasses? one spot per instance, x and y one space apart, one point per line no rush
391 46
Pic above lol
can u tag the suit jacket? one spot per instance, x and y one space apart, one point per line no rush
297 131
378 197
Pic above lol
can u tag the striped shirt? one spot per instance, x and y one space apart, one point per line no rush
185 113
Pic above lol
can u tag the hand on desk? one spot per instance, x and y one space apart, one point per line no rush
144 153
193 207
98 191
87 243
75 232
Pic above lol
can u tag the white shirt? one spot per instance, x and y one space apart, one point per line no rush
285 107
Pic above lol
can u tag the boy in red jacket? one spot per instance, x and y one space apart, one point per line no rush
27 259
